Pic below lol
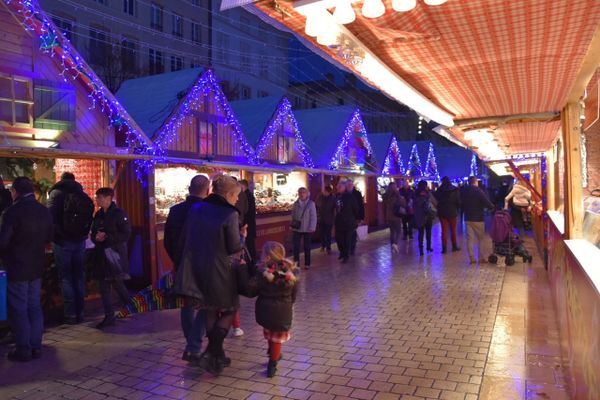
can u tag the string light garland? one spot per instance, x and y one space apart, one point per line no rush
395 156
283 113
474 170
74 68
414 163
431 168
349 133
204 87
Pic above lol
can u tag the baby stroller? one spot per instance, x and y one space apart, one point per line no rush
505 242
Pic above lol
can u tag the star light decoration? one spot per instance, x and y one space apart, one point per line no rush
284 111
393 155
349 133
414 163
474 169
206 86
431 168
74 68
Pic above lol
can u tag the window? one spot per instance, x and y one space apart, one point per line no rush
105 2
128 55
285 146
16 100
246 92
245 24
176 63
195 2
177 22
195 63
98 48
207 142
155 62
129 7
65 26
196 33
54 105
263 69
156 17
245 51
262 93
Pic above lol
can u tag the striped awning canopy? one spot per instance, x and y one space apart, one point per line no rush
476 59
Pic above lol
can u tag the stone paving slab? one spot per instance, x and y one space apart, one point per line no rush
380 327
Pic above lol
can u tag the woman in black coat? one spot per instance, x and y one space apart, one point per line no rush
212 239
110 232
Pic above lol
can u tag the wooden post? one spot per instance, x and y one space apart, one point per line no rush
573 209
550 189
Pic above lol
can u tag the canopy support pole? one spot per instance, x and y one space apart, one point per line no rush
550 189
571 133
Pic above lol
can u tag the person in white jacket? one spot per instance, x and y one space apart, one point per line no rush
304 224
521 203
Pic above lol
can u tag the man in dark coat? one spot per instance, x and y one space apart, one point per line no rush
25 230
248 191
212 239
325 216
346 217
5 197
474 202
110 233
448 198
193 323
360 202
69 242
408 219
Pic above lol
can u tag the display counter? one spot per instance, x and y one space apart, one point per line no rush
276 192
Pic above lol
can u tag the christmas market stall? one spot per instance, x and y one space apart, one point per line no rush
413 153
270 126
194 131
340 146
56 116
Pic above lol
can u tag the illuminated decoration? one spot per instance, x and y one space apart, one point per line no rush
474 170
349 134
431 168
393 155
206 86
283 112
74 68
414 163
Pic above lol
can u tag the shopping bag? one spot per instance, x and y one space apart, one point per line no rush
3 288
362 232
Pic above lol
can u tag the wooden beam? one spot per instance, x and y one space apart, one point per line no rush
507 119
590 63
550 188
571 130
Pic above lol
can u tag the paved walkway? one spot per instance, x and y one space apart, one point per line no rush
379 327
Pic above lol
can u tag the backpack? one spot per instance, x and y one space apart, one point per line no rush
78 212
429 209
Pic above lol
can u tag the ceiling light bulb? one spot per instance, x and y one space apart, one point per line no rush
313 25
373 8
403 5
327 36
434 2
344 13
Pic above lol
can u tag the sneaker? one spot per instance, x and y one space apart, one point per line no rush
271 368
190 357
70 321
395 248
36 354
237 332
455 248
18 357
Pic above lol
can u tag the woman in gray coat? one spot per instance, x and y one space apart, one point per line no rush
304 224
212 239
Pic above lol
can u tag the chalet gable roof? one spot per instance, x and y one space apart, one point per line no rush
380 142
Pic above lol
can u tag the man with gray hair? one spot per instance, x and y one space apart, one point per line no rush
358 198
347 213
193 323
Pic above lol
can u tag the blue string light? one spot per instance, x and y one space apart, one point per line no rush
393 156
414 163
474 169
431 168
284 112
349 132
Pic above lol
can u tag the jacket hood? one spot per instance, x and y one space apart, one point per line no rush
219 200
67 185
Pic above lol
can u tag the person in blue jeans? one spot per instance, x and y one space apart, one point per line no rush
72 212
193 320
305 215
25 230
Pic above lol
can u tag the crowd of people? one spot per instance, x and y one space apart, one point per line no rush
417 208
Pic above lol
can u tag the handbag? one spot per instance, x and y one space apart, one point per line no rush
297 223
399 211
242 273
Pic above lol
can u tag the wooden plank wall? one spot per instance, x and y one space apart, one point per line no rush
17 44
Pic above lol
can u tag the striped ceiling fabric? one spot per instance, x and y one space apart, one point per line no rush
479 58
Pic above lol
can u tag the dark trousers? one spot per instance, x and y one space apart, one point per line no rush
353 241
407 226
69 257
25 315
251 244
305 237
425 230
395 225
106 293
343 238
193 324
325 232
449 226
